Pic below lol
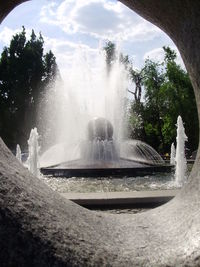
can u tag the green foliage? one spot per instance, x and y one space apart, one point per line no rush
24 73
168 93
135 121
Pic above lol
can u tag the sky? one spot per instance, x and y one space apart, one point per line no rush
67 25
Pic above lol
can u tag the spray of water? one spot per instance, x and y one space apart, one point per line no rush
90 91
87 91
172 154
18 153
180 159
33 150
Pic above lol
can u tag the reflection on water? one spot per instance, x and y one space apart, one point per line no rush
85 185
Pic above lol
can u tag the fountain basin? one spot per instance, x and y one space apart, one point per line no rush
121 168
103 156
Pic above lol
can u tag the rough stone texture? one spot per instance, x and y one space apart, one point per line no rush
40 228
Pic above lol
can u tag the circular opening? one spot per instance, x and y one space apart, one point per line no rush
100 129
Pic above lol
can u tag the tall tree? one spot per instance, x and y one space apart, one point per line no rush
161 92
153 80
168 93
110 51
179 100
135 125
24 72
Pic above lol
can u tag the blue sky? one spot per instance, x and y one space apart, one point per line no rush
69 24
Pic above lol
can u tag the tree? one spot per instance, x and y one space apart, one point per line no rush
168 93
137 79
179 99
153 80
112 55
134 115
110 52
24 73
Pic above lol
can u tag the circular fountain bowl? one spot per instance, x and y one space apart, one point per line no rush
135 159
101 156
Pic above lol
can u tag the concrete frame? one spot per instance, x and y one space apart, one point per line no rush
38 227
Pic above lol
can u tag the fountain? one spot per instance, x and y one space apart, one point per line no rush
172 154
180 159
86 117
101 156
18 153
33 150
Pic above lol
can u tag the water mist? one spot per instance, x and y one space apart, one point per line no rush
87 91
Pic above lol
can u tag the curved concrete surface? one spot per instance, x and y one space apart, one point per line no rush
38 227
122 199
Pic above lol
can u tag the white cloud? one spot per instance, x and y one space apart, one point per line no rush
6 35
88 21
99 18
65 50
